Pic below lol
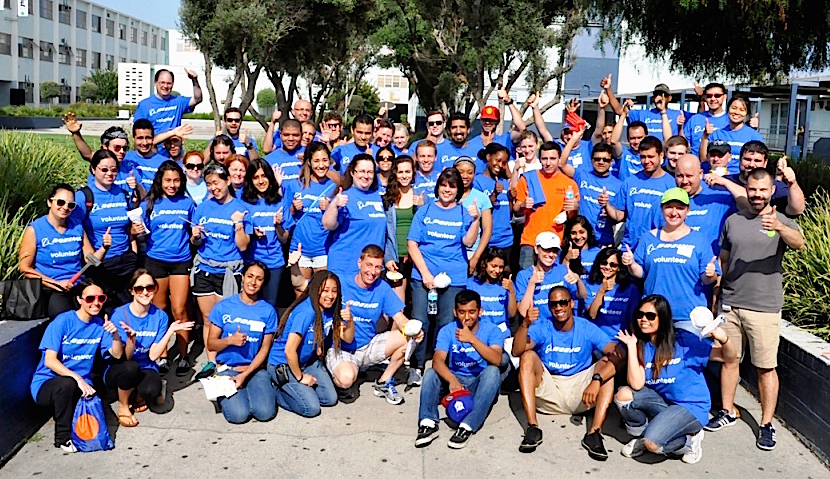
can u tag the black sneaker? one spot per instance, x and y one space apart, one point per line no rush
207 370
426 435
182 367
459 439
766 437
163 365
532 439
721 420
593 443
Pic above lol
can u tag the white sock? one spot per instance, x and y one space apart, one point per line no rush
465 426
427 423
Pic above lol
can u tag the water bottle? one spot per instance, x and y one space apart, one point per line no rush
569 193
432 302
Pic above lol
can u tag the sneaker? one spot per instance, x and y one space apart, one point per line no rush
388 391
593 443
766 437
634 448
163 365
459 439
414 377
532 439
426 434
207 370
182 367
696 449
721 420
68 447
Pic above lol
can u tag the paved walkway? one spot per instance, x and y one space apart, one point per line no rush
371 438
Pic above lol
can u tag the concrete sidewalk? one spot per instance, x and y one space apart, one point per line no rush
371 438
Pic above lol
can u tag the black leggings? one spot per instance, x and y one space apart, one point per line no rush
114 276
59 302
61 394
127 375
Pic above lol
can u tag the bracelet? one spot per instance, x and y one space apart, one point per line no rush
727 340
508 102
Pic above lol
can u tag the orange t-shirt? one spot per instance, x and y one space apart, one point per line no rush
542 218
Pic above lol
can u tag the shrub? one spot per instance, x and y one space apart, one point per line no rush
81 110
11 230
88 91
49 90
812 174
266 99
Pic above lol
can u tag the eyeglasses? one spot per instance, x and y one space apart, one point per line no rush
601 159
106 170
140 289
194 166
385 158
61 203
435 123
233 120
647 314
101 298
364 172
334 125
659 93
608 263
117 148
714 95
561 302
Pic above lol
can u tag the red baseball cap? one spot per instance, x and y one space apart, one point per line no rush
490 113
449 397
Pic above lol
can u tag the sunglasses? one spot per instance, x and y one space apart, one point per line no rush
233 120
140 289
714 95
647 314
61 203
561 302
106 170
194 166
600 159
435 123
101 298
334 125
608 263
385 158
117 148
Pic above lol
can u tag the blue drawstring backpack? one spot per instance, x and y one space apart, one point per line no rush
89 426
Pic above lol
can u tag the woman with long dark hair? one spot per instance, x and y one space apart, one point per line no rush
612 297
385 159
737 133
400 204
219 148
494 285
579 247
494 181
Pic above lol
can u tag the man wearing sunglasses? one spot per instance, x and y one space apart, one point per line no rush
243 143
557 373
714 97
653 118
436 124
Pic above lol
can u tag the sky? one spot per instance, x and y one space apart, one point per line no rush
164 13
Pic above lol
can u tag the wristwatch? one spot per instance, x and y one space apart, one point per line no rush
596 377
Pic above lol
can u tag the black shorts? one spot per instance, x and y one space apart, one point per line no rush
206 284
162 269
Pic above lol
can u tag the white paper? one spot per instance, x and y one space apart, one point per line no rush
218 386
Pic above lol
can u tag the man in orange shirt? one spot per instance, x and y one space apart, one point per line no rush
546 198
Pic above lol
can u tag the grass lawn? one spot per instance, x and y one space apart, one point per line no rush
94 143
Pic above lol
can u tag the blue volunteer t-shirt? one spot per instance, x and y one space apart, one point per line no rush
240 149
502 232
366 306
504 140
76 342
493 303
425 183
218 235
342 155
580 157
268 250
58 255
169 238
554 277
439 233
145 167
681 381
629 164
617 307
444 151
109 210
587 257
482 202
590 187
164 114
565 353
695 126
736 139
673 269
301 323
309 231
256 320
289 161
455 152
708 211
149 330
639 196
462 358
654 120
361 222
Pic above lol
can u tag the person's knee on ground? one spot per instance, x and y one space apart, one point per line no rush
344 375
623 397
652 446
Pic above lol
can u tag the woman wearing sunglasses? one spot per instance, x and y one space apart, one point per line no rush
168 213
194 164
384 158
143 330
52 249
666 402
242 329
70 345
612 297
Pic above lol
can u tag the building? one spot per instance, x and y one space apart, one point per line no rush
63 41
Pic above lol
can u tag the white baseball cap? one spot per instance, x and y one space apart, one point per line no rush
548 240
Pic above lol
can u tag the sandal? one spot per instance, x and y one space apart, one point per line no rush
127 420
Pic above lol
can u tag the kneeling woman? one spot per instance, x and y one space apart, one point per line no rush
143 330
667 402
242 328
70 345
303 384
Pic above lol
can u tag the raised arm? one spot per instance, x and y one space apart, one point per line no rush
602 102
73 126
516 116
541 127
197 90
616 134
605 84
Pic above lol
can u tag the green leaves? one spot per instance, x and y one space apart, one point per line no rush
107 83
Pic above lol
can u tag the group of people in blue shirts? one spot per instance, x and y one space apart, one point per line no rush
397 253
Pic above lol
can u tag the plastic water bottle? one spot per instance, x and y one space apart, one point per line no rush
569 193
432 302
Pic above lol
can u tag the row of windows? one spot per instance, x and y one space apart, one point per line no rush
66 93
392 81
26 49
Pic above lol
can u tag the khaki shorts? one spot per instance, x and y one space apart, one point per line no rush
562 394
365 357
761 331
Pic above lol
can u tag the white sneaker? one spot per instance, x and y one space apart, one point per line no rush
634 448
695 452
68 447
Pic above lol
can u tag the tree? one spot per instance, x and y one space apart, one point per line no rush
266 99
107 83
49 90
361 98
88 91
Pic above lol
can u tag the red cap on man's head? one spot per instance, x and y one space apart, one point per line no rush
490 113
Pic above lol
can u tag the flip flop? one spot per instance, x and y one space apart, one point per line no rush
124 418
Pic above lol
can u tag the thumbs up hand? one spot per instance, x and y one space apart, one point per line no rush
754 122
473 210
419 199
464 334
770 221
341 200
346 313
295 255
602 199
627 256
681 119
131 182
787 173
238 338
106 241
710 270
710 128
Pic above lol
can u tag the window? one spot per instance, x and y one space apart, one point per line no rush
154 41
80 58
134 34
392 81
65 14
47 51
80 19
164 43
122 31
144 38
779 113
46 9
110 28
96 23
66 94
185 45
29 87
25 49
110 62
96 61
64 55
122 59
5 44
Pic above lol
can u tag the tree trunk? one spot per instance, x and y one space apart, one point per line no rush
211 92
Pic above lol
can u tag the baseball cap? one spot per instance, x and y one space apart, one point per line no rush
548 240
675 194
662 88
490 113
459 408
452 396
719 146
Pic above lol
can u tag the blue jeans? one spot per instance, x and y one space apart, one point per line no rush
256 398
485 388
526 257
304 400
446 303
271 289
649 416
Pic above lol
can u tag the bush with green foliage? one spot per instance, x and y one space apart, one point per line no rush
49 90
107 83
812 175
266 99
81 110
88 91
